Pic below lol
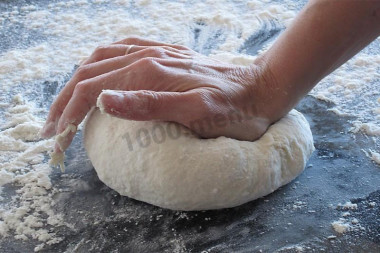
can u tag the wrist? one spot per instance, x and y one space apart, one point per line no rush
272 97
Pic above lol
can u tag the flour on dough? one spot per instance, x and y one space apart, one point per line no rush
184 172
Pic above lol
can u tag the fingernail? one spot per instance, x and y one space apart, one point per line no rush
110 101
48 130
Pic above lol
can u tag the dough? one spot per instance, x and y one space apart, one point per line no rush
151 162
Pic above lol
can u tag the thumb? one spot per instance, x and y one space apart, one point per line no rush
144 105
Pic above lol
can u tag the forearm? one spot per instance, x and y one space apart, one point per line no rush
324 35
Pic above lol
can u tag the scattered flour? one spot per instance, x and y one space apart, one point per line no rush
370 129
347 206
367 128
346 223
29 213
298 248
298 205
341 226
372 204
353 88
60 25
24 68
375 156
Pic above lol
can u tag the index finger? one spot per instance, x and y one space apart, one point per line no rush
113 53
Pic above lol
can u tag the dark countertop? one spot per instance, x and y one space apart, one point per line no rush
337 172
297 215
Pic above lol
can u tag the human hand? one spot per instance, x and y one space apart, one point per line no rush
146 80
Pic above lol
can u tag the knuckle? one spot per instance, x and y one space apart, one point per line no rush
150 51
152 101
83 94
82 72
100 48
156 52
166 48
81 88
99 52
132 40
180 47
149 63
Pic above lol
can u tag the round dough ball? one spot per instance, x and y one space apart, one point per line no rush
164 164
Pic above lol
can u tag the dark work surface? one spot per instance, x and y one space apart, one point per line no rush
338 171
104 221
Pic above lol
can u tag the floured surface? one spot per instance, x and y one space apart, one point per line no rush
38 57
43 66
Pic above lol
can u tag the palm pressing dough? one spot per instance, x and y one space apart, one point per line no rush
164 164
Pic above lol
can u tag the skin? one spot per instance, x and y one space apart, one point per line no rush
158 81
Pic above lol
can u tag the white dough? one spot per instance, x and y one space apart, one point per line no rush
188 173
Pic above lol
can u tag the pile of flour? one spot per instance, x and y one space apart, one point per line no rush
63 33
28 214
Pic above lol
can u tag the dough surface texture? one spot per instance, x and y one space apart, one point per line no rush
183 172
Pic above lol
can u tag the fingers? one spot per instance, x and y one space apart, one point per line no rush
84 72
115 50
128 46
98 73
91 70
82 100
122 47
85 93
144 105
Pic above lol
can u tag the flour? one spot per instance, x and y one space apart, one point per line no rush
69 33
65 26
347 222
347 206
367 128
353 88
341 226
59 158
21 164
375 156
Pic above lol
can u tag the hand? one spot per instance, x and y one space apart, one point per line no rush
157 81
